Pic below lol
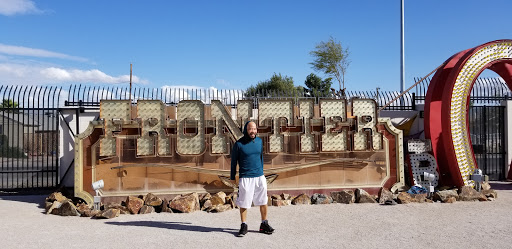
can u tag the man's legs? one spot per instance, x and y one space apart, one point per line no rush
243 214
263 212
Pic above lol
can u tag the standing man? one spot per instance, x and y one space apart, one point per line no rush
252 186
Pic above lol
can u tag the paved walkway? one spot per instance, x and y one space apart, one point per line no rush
429 225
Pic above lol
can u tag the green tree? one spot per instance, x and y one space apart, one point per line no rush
277 83
332 59
7 103
316 86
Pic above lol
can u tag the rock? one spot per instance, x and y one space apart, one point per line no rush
66 209
231 199
344 196
207 204
285 196
86 211
204 198
56 196
54 205
276 197
421 198
108 213
320 199
404 198
467 193
490 193
486 186
302 199
363 197
185 203
444 195
152 200
280 203
221 208
122 209
385 195
134 204
218 199
165 207
450 200
146 209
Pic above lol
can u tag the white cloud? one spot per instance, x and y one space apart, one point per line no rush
14 7
11 73
34 52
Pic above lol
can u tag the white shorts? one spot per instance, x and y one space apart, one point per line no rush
252 189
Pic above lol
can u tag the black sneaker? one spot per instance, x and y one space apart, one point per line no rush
266 228
243 230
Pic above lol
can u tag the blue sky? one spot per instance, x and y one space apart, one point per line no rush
233 44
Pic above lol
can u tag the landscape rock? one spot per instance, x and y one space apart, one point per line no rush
444 195
363 197
66 209
134 204
185 203
302 199
344 196
146 209
490 193
385 195
218 199
56 196
467 193
152 200
404 198
108 213
320 199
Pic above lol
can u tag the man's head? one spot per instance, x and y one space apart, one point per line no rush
251 129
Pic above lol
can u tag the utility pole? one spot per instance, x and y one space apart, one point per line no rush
130 84
402 50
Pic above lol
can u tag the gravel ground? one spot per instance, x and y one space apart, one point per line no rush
428 225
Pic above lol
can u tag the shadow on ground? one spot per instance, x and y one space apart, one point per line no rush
182 226
501 185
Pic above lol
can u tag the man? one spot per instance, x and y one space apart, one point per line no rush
252 186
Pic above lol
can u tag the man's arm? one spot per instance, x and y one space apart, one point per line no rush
234 161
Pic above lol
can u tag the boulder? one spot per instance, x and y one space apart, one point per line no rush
207 205
285 196
56 196
486 186
134 204
122 209
320 199
468 193
108 213
218 199
165 207
302 199
280 203
185 203
450 200
363 197
404 198
444 195
490 193
86 211
66 209
221 208
385 195
152 200
54 205
146 209
344 196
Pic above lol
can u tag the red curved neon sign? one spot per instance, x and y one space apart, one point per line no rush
446 104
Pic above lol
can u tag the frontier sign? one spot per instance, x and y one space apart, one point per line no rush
152 147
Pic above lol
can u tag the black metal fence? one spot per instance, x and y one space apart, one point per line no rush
29 138
29 127
487 129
